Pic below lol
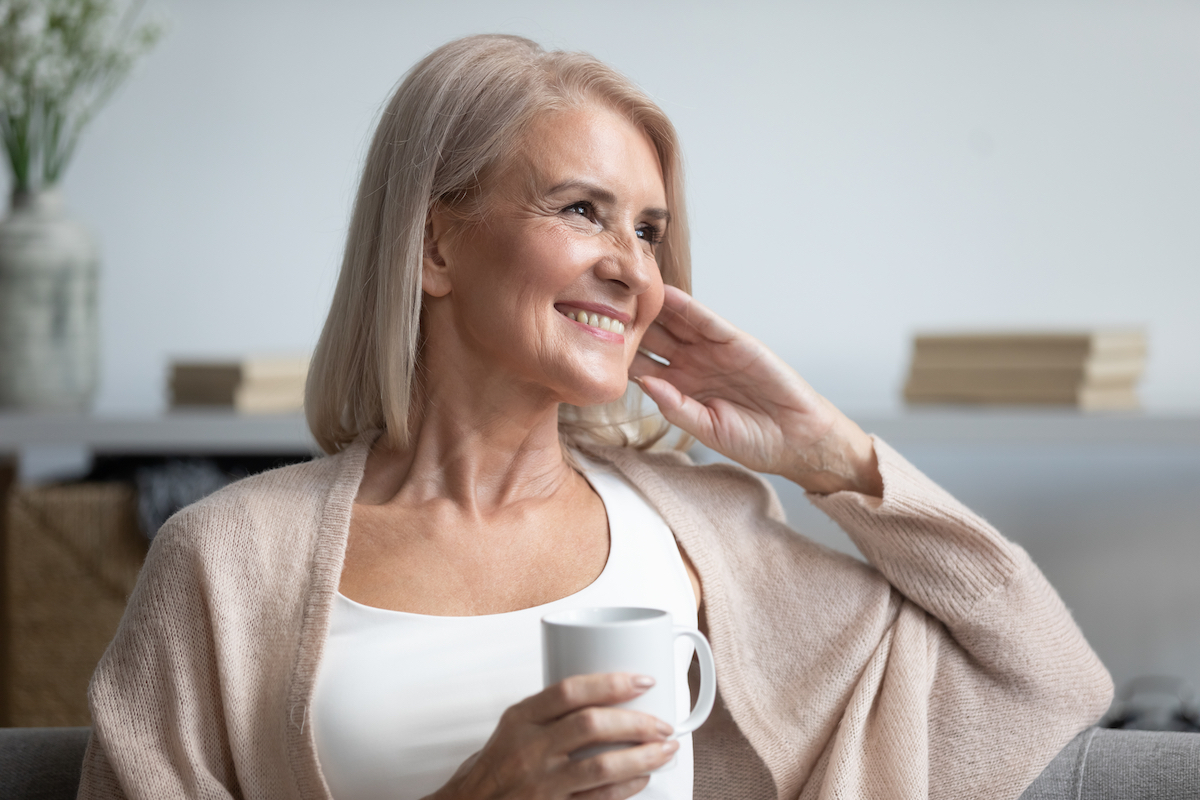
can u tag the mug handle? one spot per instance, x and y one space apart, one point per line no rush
708 681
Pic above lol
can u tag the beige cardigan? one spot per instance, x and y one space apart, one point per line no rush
950 668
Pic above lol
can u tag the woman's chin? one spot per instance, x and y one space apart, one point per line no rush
595 395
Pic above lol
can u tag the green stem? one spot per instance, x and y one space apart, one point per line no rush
53 160
16 144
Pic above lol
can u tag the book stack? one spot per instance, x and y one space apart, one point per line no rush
1087 369
259 385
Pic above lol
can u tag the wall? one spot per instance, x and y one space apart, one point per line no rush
857 170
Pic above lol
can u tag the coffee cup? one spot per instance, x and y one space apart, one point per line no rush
641 641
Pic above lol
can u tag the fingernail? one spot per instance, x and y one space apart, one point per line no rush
664 728
671 746
643 681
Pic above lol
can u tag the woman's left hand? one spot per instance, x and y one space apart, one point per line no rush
735 396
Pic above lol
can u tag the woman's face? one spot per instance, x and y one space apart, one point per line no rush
555 287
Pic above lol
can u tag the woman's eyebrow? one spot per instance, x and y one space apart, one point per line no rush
592 190
602 195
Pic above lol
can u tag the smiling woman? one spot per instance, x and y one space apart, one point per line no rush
567 233
487 106
367 625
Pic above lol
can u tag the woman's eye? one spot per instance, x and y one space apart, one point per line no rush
650 234
582 209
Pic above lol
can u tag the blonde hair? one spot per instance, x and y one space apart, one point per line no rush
457 116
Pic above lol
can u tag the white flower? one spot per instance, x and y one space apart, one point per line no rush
60 61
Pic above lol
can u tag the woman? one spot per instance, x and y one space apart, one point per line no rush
366 625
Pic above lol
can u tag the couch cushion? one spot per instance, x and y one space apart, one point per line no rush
1102 764
41 763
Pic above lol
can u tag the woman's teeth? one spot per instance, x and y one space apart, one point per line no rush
597 321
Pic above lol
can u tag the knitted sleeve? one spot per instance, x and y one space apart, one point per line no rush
156 707
204 690
1011 678
198 694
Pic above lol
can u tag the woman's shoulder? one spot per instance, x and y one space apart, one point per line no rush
717 486
280 509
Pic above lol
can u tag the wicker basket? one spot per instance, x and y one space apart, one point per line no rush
71 558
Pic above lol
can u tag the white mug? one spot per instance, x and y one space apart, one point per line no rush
641 641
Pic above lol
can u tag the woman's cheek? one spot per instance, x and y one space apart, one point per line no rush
633 340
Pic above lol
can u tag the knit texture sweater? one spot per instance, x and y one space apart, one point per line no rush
945 667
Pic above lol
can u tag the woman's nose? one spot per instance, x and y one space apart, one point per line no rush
630 263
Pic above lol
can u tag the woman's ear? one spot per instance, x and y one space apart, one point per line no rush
435 269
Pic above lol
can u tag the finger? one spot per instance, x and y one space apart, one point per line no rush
677 408
615 791
619 766
690 320
694 324
579 691
606 725
644 365
661 342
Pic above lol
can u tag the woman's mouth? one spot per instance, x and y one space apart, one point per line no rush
593 319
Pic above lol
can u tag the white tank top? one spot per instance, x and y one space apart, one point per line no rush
401 700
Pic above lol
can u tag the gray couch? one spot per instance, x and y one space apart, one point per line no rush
1100 764
41 763
1103 764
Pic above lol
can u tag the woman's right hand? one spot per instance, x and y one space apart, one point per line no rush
528 755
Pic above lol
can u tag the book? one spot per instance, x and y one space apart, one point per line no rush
1028 349
275 398
253 385
1084 397
1028 379
1087 369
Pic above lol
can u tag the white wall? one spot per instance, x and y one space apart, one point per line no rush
857 170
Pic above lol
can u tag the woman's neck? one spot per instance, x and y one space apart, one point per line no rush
481 448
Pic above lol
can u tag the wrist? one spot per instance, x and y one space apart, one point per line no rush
847 463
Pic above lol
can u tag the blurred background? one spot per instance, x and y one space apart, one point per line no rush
857 171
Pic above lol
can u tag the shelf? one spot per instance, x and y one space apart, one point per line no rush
1030 426
192 432
211 432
